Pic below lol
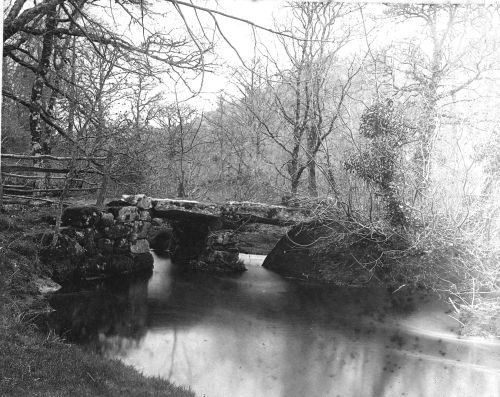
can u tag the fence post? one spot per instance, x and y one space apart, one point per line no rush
101 194
67 183
1 188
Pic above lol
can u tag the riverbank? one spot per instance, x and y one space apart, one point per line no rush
34 363
437 258
41 364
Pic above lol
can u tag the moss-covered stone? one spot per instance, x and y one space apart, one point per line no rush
117 231
331 251
140 247
220 266
127 214
80 217
107 219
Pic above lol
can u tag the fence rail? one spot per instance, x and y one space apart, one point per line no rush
22 181
46 170
19 176
47 157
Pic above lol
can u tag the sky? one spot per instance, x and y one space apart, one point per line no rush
237 44
240 41
239 34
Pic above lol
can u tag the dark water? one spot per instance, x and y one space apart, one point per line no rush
258 334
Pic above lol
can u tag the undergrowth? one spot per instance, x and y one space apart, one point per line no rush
431 253
460 265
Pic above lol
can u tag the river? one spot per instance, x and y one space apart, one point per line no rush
259 334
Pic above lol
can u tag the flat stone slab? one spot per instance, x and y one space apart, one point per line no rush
178 214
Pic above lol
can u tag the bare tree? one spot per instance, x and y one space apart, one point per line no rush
437 70
51 23
179 141
308 93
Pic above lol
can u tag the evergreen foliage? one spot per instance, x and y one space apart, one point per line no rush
379 164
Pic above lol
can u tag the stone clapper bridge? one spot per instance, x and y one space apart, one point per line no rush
96 243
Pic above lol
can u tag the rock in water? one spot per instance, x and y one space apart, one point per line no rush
46 285
330 251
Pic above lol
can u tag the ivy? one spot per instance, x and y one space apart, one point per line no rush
385 129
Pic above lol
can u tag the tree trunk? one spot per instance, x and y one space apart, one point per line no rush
431 102
101 195
294 186
181 191
293 167
40 143
424 150
312 141
312 184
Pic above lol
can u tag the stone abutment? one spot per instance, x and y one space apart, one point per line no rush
115 240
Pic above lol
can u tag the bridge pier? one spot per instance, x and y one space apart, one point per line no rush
201 247
98 243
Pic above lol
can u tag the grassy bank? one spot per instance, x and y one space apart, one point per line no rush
37 364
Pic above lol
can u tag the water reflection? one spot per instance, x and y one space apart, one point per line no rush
88 313
257 334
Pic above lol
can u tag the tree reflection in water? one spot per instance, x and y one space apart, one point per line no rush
260 335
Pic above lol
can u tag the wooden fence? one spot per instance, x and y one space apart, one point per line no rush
25 177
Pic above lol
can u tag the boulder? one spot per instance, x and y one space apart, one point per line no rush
117 203
157 221
222 240
80 217
45 285
224 262
225 258
117 231
128 214
143 229
131 199
140 247
139 200
329 251
145 215
144 203
107 220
